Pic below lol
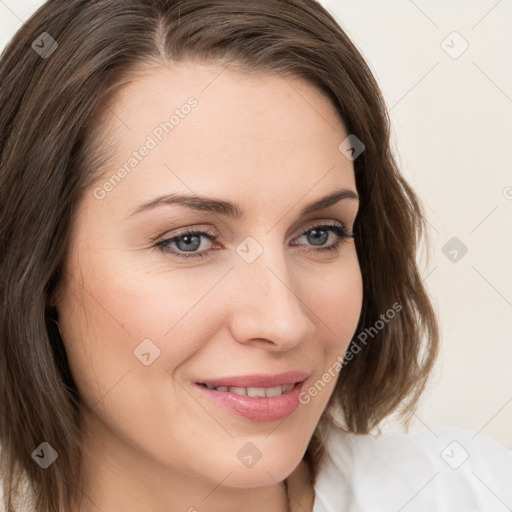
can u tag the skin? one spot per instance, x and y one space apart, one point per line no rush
151 440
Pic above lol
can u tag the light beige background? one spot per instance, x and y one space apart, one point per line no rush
452 129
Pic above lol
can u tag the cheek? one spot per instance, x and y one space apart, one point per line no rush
123 314
335 301
339 308
118 351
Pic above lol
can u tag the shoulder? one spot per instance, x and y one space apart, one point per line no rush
23 498
443 468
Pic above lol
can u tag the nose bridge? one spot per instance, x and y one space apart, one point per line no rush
266 303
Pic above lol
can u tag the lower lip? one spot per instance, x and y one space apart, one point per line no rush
257 408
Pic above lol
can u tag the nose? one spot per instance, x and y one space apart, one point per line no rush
266 304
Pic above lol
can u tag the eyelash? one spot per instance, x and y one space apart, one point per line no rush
338 229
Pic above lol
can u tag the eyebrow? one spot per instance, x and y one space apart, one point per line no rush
229 209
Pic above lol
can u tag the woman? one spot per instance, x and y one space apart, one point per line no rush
209 289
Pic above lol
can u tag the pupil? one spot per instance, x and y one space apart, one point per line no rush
188 240
314 235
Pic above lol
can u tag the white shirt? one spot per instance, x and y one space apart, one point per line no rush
439 470
445 469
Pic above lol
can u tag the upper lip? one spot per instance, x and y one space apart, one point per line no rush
258 381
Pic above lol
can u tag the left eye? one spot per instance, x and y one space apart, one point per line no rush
190 241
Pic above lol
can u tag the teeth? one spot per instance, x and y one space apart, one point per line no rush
255 392
278 390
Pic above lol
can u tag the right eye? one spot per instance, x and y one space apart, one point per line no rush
187 241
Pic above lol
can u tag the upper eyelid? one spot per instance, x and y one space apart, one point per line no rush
209 231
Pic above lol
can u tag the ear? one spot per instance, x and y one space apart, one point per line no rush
49 301
51 298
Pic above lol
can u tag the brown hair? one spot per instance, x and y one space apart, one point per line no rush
48 132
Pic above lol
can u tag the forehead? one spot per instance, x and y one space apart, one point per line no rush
209 127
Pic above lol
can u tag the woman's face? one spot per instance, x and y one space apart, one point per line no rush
142 324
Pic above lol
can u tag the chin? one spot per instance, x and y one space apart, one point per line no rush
268 470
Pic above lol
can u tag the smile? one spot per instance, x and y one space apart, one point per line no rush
253 403
254 392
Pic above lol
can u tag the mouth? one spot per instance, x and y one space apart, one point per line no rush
255 403
253 392
260 385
